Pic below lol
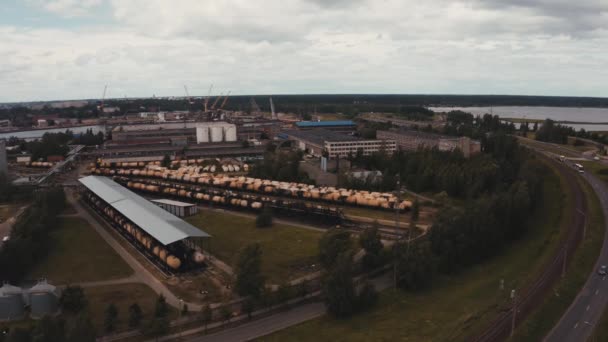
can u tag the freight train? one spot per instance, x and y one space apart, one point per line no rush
229 198
207 165
174 257
195 175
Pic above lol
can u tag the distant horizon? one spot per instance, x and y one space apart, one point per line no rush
304 94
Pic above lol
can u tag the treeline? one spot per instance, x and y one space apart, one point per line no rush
51 144
550 131
281 166
29 238
431 170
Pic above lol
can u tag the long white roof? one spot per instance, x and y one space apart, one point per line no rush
162 225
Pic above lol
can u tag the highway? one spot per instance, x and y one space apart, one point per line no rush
579 321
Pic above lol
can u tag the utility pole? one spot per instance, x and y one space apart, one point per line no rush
396 231
514 297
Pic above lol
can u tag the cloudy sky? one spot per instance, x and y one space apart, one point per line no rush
68 49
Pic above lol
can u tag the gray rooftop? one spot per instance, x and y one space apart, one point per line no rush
174 203
320 136
162 225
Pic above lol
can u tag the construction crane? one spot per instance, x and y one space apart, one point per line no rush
188 95
216 101
207 97
225 100
255 109
274 115
103 97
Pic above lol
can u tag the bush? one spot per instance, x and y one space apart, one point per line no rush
264 219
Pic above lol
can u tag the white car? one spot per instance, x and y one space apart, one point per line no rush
6 238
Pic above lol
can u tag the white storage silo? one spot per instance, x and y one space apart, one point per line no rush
230 132
44 300
217 133
12 305
202 134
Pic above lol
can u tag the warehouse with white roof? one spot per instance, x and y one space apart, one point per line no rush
166 239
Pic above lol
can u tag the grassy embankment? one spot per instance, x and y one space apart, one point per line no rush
456 306
544 318
287 251
79 254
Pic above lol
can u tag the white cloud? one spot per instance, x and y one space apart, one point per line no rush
68 8
312 46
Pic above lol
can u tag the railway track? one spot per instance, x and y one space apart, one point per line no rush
534 293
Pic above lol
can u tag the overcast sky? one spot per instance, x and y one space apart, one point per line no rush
68 49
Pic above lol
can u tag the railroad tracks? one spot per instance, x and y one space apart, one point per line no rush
534 293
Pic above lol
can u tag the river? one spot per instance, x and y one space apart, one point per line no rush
38 133
574 114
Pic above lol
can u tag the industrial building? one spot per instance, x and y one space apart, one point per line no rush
168 241
336 144
215 132
409 140
177 208
342 126
3 162
42 299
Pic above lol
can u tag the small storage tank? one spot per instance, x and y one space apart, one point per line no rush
216 133
44 300
230 132
202 134
12 305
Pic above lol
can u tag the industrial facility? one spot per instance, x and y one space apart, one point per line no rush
342 126
409 140
317 141
169 242
177 208
42 300
215 132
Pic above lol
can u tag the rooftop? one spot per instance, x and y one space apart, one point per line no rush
162 225
320 136
325 123
172 202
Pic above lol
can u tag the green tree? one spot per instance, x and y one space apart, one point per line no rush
111 317
49 330
162 309
166 162
264 218
81 329
367 297
415 265
338 288
249 278
157 327
333 243
372 244
135 315
248 306
206 315
185 311
225 313
415 210
73 299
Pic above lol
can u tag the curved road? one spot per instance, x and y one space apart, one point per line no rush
579 321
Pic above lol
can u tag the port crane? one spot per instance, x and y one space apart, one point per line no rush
207 98
217 99
103 97
225 100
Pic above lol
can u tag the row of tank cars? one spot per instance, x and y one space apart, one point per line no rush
207 165
196 175
170 258
41 299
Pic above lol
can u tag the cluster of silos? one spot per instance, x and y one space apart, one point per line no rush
42 299
215 132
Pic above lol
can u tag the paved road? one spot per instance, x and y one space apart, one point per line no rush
578 323
279 321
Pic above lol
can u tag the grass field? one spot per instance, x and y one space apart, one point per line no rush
287 251
122 296
79 254
540 322
456 307
426 214
6 211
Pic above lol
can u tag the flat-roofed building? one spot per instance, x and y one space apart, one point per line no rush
409 140
343 126
336 144
177 208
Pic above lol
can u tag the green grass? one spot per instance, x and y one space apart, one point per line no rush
544 318
458 306
287 251
79 254
122 296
